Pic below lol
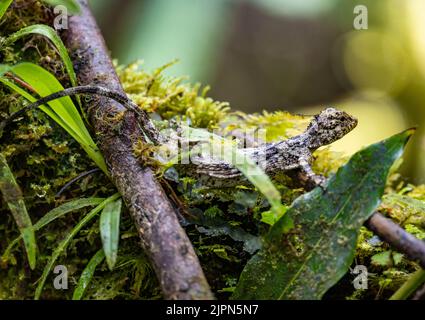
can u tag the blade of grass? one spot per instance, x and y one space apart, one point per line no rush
53 215
45 83
110 231
94 154
50 34
87 275
46 109
13 197
71 5
4 5
414 281
63 110
65 242
66 208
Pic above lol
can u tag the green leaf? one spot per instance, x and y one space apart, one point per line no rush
13 197
87 275
386 258
51 34
55 214
306 262
271 218
65 208
62 110
4 5
110 231
71 5
65 242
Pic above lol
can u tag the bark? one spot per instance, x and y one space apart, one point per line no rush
165 242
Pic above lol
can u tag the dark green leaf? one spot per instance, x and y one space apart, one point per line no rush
216 227
110 231
13 197
53 215
65 242
306 262
87 275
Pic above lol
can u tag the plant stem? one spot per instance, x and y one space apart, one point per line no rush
415 280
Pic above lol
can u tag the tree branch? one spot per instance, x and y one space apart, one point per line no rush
397 237
162 237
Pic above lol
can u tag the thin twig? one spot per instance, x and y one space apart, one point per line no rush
19 81
80 176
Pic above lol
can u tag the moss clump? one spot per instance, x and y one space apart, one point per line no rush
171 97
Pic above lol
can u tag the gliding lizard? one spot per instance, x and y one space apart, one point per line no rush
291 154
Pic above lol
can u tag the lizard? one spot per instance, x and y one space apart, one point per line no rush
292 154
295 153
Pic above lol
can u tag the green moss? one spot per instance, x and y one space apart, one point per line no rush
272 127
171 97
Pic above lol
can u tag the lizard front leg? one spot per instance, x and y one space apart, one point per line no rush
313 179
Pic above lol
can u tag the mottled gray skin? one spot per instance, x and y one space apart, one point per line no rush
292 154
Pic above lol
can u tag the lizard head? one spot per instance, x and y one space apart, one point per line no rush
328 126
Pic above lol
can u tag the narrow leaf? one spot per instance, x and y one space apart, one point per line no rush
87 275
71 5
4 5
413 283
65 242
62 110
13 197
306 262
51 34
110 231
55 214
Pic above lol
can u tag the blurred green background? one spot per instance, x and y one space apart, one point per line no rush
288 54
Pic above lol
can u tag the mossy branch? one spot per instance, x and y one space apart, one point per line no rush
164 240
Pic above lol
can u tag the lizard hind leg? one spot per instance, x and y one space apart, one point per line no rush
313 179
